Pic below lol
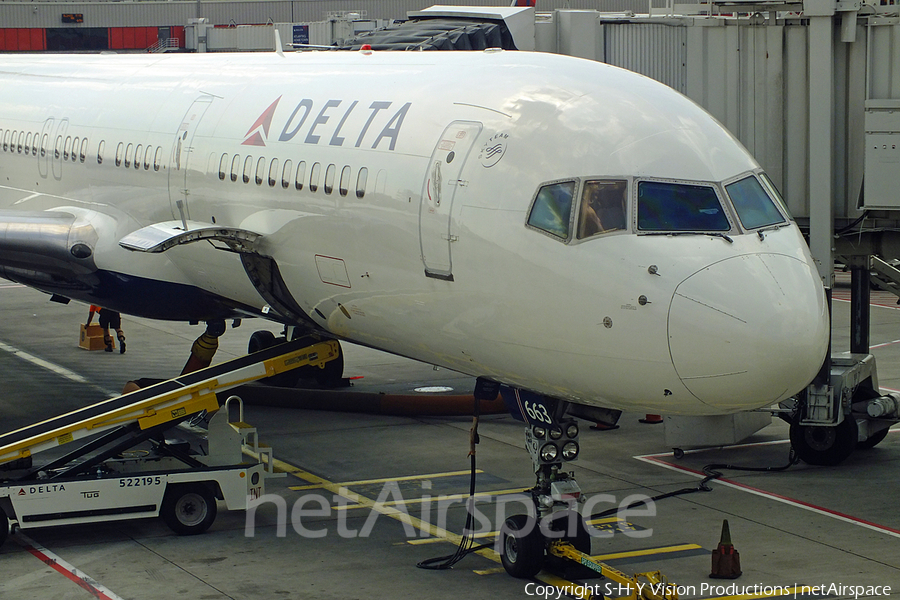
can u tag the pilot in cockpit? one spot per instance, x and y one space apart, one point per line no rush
602 208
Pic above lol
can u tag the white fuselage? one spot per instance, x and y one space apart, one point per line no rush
409 233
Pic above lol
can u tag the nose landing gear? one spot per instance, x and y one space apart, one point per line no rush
552 441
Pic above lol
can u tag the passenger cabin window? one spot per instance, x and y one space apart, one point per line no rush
273 172
329 178
100 149
301 175
754 207
286 174
260 170
235 167
314 177
120 154
361 180
552 209
147 158
129 149
223 163
602 208
28 143
344 187
157 158
82 155
138 156
663 206
248 169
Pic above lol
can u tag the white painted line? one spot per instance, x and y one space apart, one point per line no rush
654 459
76 576
62 371
53 367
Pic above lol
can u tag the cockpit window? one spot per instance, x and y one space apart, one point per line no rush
775 194
602 208
679 207
552 209
754 207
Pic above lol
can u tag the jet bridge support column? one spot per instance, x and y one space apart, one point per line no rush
860 312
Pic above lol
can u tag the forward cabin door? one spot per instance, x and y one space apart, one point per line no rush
181 157
439 187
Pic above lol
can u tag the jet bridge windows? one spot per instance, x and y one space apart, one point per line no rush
551 211
754 207
666 206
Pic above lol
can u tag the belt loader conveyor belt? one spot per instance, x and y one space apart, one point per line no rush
171 400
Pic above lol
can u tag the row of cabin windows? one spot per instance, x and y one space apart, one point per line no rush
135 155
272 172
28 143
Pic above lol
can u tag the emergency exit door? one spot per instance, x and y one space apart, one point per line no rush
441 183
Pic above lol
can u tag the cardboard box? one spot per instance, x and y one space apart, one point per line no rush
91 338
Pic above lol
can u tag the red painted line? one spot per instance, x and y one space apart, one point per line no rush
654 458
65 569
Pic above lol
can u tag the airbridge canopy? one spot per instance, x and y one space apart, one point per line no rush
437 34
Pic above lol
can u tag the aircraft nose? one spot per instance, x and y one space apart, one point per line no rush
749 330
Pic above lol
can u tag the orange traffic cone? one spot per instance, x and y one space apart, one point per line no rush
726 561
651 419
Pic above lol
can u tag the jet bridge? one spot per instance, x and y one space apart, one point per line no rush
125 468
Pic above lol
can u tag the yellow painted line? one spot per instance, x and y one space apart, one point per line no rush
794 591
403 517
606 520
489 534
435 499
648 552
493 571
387 479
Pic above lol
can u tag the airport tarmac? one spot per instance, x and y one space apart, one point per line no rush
837 527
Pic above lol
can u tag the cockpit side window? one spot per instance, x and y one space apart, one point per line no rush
552 209
664 206
775 195
602 208
754 207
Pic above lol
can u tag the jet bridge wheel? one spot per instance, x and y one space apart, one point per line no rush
824 445
521 546
188 508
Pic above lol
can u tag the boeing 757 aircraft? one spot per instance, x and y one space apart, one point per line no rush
576 231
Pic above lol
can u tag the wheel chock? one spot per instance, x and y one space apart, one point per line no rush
726 560
651 420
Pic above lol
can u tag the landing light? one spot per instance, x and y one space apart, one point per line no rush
570 451
555 433
549 452
572 430
539 432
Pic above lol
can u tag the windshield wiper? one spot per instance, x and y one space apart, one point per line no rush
711 233
772 227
